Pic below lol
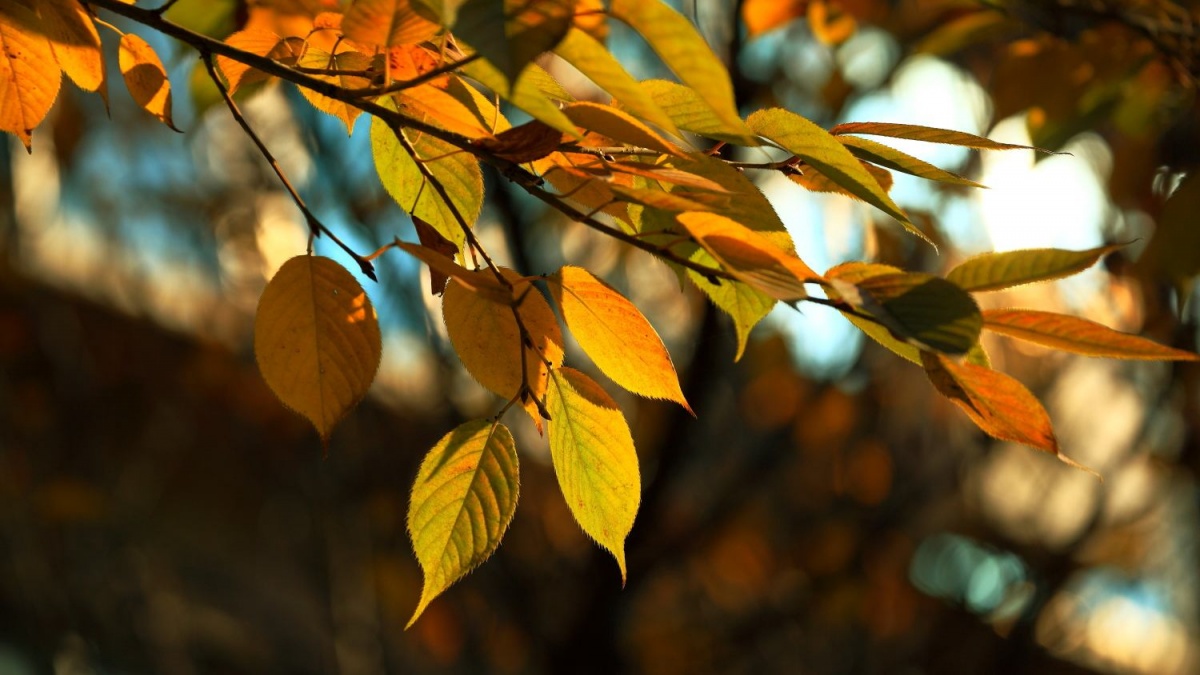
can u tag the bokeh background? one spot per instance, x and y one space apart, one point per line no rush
827 513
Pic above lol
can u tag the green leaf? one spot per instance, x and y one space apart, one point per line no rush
530 28
685 52
994 271
915 132
892 158
594 459
689 112
853 272
816 146
457 171
595 61
462 502
1079 336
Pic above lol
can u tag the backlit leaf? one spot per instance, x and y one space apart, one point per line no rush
29 75
749 256
462 503
813 180
75 42
345 68
892 158
317 340
916 132
528 93
689 112
529 28
619 126
853 272
387 23
145 77
1079 336
451 104
486 337
925 311
433 241
685 52
594 459
457 171
994 271
615 335
999 405
817 147
528 142
595 61
262 43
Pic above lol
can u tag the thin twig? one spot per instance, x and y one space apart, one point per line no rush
314 224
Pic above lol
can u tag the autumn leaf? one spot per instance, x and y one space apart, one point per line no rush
761 16
885 156
685 52
750 257
615 335
814 181
619 126
592 59
145 77
489 342
594 459
923 310
915 132
260 42
344 69
689 112
462 502
457 172
529 28
817 147
317 340
29 75
999 405
1078 336
433 240
528 142
530 92
994 271
75 42
387 23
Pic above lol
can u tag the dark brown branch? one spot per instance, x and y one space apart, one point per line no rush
314 224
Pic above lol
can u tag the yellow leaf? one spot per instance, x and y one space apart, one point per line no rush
317 340
685 52
749 256
1079 336
916 132
689 112
462 502
994 271
75 42
488 340
615 335
387 23
594 60
594 459
853 272
145 77
531 92
29 75
619 126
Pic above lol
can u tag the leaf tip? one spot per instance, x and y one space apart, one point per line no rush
1076 465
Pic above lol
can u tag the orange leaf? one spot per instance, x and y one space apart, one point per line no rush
813 180
1079 336
999 405
749 256
761 16
486 337
916 132
317 340
344 70
615 335
75 42
29 75
387 23
260 42
145 77
483 283
433 240
830 24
